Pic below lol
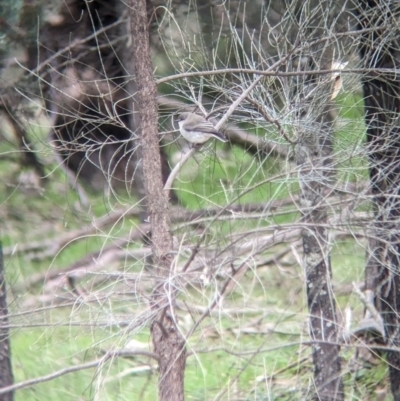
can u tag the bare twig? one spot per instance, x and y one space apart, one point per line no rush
76 368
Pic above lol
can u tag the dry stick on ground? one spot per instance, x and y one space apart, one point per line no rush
178 215
76 368
168 342
50 247
95 260
57 280
55 245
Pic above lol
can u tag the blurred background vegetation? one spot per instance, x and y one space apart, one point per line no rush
70 216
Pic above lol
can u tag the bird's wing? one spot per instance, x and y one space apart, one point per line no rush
201 124
206 126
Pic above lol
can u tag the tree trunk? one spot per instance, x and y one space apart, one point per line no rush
315 162
316 262
380 49
316 176
168 342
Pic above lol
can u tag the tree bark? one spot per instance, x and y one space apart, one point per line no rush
6 376
316 176
314 159
168 342
316 262
380 49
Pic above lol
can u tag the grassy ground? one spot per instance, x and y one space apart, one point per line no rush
250 348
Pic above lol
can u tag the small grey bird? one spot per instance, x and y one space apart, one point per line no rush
197 129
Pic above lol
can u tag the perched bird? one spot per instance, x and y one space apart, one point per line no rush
197 129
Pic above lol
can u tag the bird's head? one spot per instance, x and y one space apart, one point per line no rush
183 116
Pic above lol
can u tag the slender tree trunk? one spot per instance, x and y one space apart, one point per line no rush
316 248
314 158
316 176
168 342
379 49
6 376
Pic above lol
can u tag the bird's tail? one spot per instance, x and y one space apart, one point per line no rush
220 136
